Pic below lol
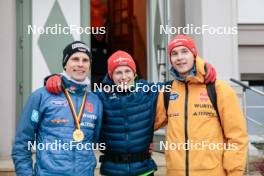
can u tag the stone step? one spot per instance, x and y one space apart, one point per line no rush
7 167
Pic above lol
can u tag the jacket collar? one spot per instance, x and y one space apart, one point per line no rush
107 80
196 75
177 76
73 86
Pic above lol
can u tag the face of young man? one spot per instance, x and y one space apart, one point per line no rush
123 76
182 60
78 66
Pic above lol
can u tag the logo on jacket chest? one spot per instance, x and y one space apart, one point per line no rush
60 121
88 120
89 107
72 89
204 110
89 116
113 96
204 97
59 102
173 115
174 96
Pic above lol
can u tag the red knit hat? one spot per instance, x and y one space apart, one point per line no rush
182 40
120 58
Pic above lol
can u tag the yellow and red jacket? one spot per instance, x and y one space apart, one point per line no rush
198 142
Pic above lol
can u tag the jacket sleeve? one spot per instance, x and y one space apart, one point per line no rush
25 136
234 127
98 121
161 118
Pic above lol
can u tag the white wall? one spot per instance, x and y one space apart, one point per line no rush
221 50
8 75
250 11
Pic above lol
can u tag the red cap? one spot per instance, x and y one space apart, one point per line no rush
120 58
182 40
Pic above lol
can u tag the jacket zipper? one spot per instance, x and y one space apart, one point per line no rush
126 130
186 129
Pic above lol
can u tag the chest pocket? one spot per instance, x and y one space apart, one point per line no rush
58 113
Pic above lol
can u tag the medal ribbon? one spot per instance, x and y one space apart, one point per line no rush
78 118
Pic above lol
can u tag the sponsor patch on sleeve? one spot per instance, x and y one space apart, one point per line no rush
35 116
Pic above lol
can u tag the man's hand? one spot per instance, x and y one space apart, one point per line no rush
210 74
53 84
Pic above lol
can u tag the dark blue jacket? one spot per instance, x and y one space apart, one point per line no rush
127 128
47 119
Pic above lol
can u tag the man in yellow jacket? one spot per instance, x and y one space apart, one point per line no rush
198 141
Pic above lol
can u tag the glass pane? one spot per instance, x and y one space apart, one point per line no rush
124 28
124 14
117 29
124 4
117 17
117 4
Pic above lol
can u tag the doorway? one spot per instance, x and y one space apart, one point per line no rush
125 22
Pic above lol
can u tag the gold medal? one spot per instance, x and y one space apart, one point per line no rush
78 135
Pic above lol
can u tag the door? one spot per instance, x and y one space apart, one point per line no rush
38 53
120 25
158 65
23 54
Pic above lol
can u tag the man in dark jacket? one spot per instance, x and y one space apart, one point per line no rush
128 120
